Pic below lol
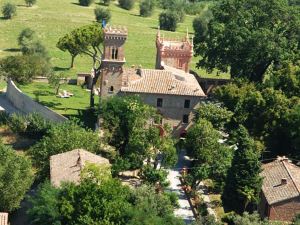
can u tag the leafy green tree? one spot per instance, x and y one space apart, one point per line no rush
23 68
56 80
30 45
61 138
147 7
16 177
67 43
177 6
126 124
102 14
85 2
246 37
212 159
86 40
168 20
152 208
30 3
245 219
243 182
45 205
126 4
152 176
9 10
216 114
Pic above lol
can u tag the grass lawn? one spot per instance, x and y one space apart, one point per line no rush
76 106
52 19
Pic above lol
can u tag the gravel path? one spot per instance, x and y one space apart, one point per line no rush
184 211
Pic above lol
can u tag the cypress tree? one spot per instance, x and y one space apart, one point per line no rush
243 182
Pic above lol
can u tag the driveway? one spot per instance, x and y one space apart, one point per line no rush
184 211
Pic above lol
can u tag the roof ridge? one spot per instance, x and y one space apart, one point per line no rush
292 178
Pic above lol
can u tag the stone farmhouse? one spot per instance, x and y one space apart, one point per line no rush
280 196
170 87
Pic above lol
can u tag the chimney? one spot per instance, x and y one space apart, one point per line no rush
283 181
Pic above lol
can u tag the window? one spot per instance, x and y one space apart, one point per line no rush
111 89
114 53
187 103
185 119
159 102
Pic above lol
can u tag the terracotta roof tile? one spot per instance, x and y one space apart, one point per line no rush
67 166
273 173
171 82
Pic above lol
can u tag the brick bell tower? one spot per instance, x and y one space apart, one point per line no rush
113 60
176 53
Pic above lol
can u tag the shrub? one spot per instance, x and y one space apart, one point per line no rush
152 176
126 4
102 14
4 118
146 7
168 21
85 2
173 197
9 10
30 3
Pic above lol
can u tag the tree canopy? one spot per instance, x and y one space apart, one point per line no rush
16 177
247 36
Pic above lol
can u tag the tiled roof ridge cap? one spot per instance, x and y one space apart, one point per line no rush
292 178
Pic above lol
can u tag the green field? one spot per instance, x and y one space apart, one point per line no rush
53 18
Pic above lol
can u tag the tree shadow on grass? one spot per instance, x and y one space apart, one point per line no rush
12 50
42 93
58 69
52 105
88 117
76 3
102 4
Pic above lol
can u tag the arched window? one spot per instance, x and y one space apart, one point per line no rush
111 89
114 53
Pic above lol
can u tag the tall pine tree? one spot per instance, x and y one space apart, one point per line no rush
243 182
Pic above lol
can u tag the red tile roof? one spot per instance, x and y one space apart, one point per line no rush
274 173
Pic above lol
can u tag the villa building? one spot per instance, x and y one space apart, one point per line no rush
170 87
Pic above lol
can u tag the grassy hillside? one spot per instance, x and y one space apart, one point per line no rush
51 19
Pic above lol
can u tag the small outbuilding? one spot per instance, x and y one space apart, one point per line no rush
66 167
280 196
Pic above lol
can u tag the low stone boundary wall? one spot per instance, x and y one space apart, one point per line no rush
26 105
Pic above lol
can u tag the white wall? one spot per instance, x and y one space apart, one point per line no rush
26 105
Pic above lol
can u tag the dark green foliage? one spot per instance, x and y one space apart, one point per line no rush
267 113
96 201
168 21
61 138
147 7
45 204
4 118
243 182
23 68
125 120
216 114
212 159
175 6
30 45
85 2
9 10
30 3
16 177
102 14
126 4
296 221
245 219
152 176
243 38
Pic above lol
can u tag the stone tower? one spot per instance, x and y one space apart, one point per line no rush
113 60
174 52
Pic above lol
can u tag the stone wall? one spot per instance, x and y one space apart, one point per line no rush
26 105
173 109
285 211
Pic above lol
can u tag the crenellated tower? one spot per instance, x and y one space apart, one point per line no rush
113 59
174 52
